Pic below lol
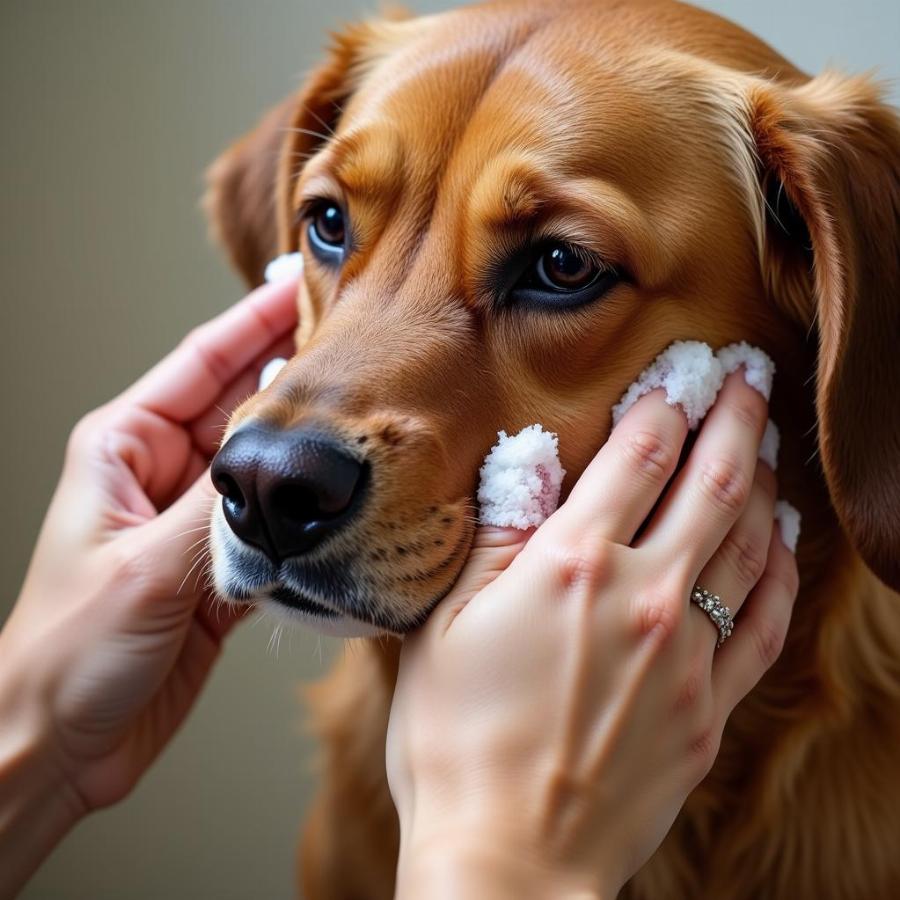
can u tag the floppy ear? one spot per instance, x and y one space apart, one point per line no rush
240 194
248 186
830 151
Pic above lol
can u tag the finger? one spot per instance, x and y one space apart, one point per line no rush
219 617
493 550
739 562
207 429
189 379
178 538
712 489
760 630
624 481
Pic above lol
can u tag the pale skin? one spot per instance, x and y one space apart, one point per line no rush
550 718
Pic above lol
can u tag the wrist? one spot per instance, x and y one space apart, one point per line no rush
37 805
452 864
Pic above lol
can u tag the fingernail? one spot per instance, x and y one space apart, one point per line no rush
788 519
270 370
759 369
288 265
768 448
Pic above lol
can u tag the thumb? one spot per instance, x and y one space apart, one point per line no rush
179 538
493 551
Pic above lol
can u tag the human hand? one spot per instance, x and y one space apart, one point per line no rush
114 634
555 711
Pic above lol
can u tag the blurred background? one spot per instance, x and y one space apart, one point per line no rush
110 113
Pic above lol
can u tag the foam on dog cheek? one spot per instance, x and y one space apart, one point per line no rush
758 366
788 519
269 371
768 448
288 265
520 479
690 374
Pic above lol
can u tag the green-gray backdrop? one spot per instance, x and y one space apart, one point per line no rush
109 112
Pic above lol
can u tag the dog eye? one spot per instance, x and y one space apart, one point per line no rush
561 274
327 233
562 268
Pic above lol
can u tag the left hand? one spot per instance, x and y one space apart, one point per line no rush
114 634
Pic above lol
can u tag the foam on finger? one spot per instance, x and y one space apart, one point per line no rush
522 475
288 265
270 370
788 519
521 479
690 374
759 370
768 448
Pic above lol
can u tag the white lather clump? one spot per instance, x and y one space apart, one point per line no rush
690 374
520 479
768 447
521 476
758 367
788 518
270 370
288 265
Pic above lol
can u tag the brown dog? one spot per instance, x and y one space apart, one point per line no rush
506 212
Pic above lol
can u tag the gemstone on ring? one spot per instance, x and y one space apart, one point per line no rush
719 614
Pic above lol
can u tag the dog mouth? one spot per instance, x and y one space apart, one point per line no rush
332 593
303 603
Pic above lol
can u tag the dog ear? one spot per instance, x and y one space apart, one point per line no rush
240 194
248 187
830 152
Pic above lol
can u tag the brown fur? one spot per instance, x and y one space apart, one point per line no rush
649 129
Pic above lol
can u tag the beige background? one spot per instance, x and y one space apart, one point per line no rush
110 112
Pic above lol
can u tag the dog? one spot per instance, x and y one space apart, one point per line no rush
506 211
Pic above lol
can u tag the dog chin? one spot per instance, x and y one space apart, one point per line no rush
257 587
328 623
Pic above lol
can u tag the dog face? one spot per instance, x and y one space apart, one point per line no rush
505 214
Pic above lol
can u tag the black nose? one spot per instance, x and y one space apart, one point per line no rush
284 491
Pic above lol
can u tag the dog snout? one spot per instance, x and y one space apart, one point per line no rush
284 491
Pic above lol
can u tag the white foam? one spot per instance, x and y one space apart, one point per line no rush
521 479
522 475
758 366
288 265
768 448
270 370
788 518
690 374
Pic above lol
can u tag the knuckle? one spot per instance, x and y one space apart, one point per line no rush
788 576
725 485
704 747
768 640
660 613
85 434
648 453
197 342
746 557
584 567
690 691
125 568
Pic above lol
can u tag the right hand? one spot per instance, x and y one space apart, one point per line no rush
559 705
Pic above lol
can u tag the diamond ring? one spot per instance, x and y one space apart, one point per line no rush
719 614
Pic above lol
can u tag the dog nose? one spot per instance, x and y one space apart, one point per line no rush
285 491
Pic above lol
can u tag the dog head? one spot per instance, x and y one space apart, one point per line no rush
507 211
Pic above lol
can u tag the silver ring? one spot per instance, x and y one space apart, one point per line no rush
719 614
